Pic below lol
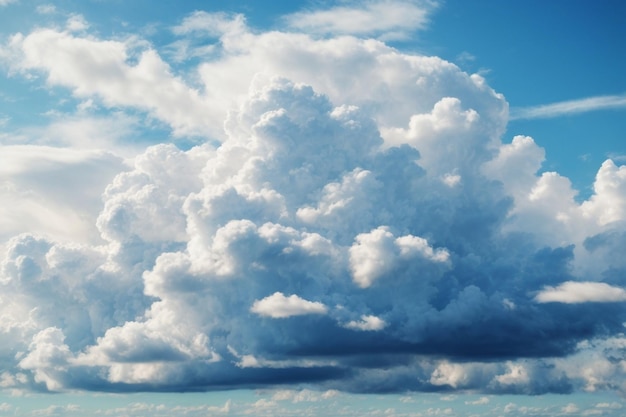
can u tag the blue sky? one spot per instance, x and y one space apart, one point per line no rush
394 207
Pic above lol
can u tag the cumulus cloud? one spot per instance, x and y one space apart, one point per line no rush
278 306
48 356
375 254
360 225
581 292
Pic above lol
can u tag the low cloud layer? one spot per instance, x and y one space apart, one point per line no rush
355 221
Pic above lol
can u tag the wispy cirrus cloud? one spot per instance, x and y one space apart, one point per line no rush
563 108
389 19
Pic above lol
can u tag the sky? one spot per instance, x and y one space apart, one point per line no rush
381 207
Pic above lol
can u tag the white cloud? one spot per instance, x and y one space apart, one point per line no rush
6 2
465 57
452 374
96 68
147 201
613 405
608 204
114 132
449 126
564 108
216 24
545 203
279 306
515 374
390 86
367 323
378 252
76 23
516 165
389 19
581 292
305 395
48 356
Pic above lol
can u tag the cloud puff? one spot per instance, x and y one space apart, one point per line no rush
376 253
581 292
362 230
367 323
48 356
278 306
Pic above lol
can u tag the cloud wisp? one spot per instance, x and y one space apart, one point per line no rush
353 221
386 19
564 108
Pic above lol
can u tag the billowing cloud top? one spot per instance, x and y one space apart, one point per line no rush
353 210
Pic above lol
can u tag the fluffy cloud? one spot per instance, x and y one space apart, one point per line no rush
581 292
375 254
367 323
359 226
278 306
48 357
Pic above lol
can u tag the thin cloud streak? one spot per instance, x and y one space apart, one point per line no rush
563 108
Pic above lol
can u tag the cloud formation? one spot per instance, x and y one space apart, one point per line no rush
353 222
